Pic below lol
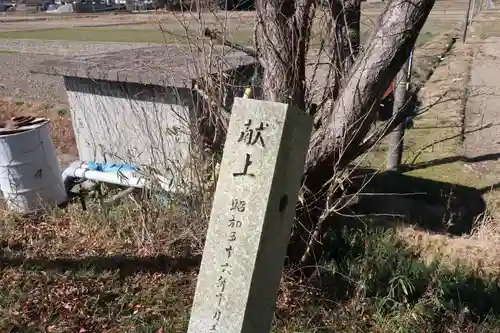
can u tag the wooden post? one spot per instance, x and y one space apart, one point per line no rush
395 153
473 11
466 23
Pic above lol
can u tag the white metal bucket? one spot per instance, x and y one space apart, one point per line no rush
30 175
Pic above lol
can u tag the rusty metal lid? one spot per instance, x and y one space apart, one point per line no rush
19 124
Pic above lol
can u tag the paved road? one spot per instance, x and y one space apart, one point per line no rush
483 107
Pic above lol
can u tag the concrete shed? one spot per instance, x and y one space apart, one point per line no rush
139 106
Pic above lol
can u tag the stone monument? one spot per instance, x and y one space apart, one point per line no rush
252 216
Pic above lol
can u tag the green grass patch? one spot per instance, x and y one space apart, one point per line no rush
393 291
61 112
123 34
116 35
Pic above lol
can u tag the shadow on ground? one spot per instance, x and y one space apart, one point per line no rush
376 261
125 265
448 160
433 205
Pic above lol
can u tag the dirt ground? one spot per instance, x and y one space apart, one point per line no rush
113 271
482 109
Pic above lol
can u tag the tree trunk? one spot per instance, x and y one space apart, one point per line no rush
395 151
283 31
343 47
336 143
283 34
344 39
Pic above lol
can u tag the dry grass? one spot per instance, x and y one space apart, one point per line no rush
130 268
126 269
83 301
478 252
85 271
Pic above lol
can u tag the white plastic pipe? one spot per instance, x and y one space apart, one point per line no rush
80 170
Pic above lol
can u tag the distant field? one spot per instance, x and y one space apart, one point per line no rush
118 35
168 27
98 35
151 33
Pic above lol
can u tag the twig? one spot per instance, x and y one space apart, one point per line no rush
214 35
121 195
480 128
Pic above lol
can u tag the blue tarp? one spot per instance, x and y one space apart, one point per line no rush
107 167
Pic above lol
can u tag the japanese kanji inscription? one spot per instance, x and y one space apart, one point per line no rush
251 218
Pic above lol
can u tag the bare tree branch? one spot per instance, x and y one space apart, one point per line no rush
215 35
335 142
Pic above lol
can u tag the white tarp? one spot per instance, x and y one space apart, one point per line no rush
67 8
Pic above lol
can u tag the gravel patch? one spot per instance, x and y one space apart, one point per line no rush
18 83
63 48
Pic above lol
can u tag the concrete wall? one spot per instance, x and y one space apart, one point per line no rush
146 125
130 123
